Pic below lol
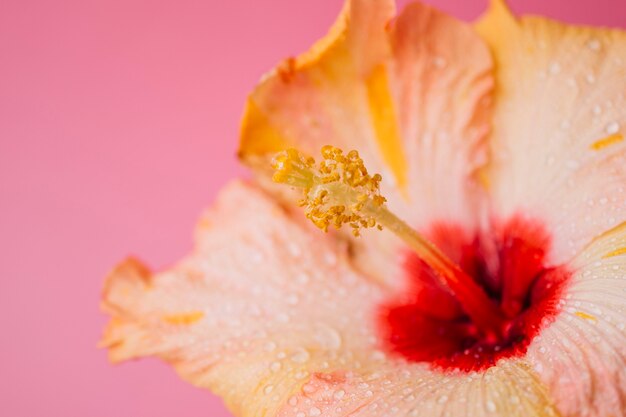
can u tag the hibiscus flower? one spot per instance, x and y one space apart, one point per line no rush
502 291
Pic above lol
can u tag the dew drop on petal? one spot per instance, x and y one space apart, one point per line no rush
302 278
612 128
339 394
300 355
328 337
594 45
275 367
555 68
491 407
314 411
268 389
292 299
308 388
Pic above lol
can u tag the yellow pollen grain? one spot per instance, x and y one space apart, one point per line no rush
585 316
616 252
183 318
607 141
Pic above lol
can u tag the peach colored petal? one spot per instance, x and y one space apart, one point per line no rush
557 145
398 389
582 356
441 77
252 312
411 94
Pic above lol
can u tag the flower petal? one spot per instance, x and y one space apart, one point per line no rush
412 95
441 77
557 149
319 98
582 356
399 389
252 312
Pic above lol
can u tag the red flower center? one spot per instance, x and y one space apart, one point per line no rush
427 323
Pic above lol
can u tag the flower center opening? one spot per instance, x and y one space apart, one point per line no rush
428 324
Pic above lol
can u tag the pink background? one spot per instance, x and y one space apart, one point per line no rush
118 124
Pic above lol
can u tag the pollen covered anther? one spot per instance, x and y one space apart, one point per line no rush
337 191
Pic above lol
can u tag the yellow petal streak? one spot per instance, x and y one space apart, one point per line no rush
607 141
585 316
616 252
184 318
385 122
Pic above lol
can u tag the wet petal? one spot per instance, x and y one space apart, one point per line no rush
412 95
557 148
252 312
582 356
399 389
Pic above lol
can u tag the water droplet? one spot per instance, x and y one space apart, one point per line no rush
597 109
612 128
314 411
275 367
301 374
572 164
294 250
309 388
300 414
590 78
270 346
368 393
594 44
339 394
328 337
555 68
491 407
293 401
292 299
300 355
302 278
268 389
282 318
514 399
439 62
443 399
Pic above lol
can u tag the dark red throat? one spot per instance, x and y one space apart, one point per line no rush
427 324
